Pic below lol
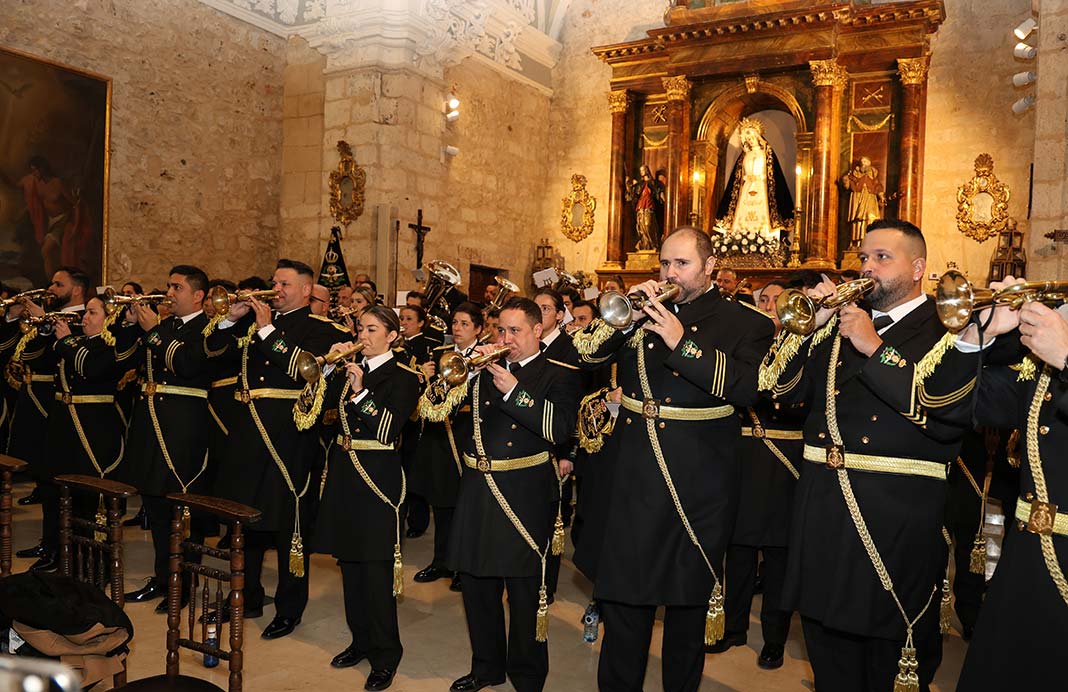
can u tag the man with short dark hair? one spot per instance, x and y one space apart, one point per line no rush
504 518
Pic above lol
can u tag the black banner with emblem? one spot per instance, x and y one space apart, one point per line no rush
333 274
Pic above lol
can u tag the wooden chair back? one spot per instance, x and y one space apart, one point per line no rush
8 467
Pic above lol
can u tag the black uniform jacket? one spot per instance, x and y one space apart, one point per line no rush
435 474
354 524
1019 638
541 411
638 550
883 410
86 366
248 472
174 355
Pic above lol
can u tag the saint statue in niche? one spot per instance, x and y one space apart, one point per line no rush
647 195
866 199
756 201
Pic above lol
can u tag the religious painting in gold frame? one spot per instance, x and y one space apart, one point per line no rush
54 142
982 202
347 187
577 210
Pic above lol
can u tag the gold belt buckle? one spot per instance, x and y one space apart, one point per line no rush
759 432
651 409
150 388
346 442
65 398
483 464
1042 517
243 396
835 457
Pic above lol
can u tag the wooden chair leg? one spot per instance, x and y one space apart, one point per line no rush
174 593
5 523
65 514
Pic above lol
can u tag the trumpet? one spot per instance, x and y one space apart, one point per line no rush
311 367
222 301
46 323
454 369
733 295
507 289
797 312
956 299
620 311
43 295
114 302
443 277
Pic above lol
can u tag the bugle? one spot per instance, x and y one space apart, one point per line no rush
956 299
621 310
114 301
797 311
739 288
310 367
34 295
454 370
46 323
222 300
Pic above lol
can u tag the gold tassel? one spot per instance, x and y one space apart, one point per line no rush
589 340
823 333
715 619
212 324
398 572
541 633
185 523
435 406
105 333
907 680
946 611
309 405
296 556
558 535
101 519
786 347
977 564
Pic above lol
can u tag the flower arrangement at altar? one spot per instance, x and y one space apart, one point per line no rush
747 248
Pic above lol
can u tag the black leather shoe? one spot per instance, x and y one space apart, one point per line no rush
472 683
379 679
730 640
161 607
36 551
432 573
250 614
414 533
48 562
34 498
770 657
455 585
280 627
347 658
153 589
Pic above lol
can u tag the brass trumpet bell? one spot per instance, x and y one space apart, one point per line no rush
46 323
42 295
441 278
114 301
956 299
507 290
621 310
222 301
311 367
797 311
454 369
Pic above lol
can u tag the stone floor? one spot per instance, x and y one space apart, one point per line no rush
434 634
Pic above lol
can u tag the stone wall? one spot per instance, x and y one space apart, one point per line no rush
196 127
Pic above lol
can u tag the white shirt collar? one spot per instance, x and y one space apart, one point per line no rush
548 340
374 361
80 307
463 350
900 312
523 363
185 320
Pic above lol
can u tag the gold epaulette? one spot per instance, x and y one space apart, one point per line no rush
417 373
930 361
443 347
569 366
753 308
332 323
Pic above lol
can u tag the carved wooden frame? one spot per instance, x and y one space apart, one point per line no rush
983 182
578 195
346 211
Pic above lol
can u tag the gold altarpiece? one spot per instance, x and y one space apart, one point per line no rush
852 76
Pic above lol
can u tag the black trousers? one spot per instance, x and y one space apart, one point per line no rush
493 654
442 527
843 662
291 596
417 513
160 512
371 612
625 647
741 570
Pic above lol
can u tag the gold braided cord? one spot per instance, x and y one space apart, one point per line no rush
81 431
245 340
541 628
35 400
106 334
969 476
218 421
343 416
212 323
714 618
150 399
21 345
1034 458
588 340
452 447
783 349
932 358
309 404
772 447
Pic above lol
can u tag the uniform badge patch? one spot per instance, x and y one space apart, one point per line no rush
690 350
369 408
280 347
891 357
153 338
523 400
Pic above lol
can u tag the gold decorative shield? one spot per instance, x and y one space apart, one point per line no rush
576 210
982 202
346 187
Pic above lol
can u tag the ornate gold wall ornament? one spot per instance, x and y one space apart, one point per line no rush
856 124
619 101
346 187
576 210
751 81
913 70
982 202
677 88
828 73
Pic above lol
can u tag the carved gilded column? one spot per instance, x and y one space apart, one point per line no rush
913 73
619 103
830 79
677 204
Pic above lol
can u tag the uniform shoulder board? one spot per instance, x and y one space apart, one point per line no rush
753 308
331 322
443 347
569 366
404 366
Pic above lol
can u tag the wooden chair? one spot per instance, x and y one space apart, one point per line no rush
210 601
8 467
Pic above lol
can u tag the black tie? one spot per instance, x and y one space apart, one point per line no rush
882 321
514 367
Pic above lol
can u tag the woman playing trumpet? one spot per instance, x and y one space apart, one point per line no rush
362 493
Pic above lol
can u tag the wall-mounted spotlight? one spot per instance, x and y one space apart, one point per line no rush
450 150
452 107
1026 27
1021 79
1023 105
1024 51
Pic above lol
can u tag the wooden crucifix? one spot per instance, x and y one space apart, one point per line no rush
420 237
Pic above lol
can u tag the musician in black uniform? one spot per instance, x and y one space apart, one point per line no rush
504 516
1018 642
33 365
417 342
171 427
438 465
669 501
867 555
770 454
416 350
267 462
359 519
